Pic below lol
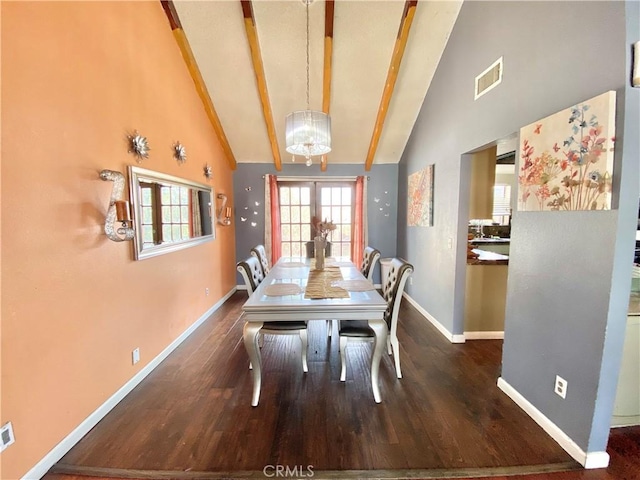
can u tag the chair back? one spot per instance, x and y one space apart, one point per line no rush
369 259
392 290
261 254
251 271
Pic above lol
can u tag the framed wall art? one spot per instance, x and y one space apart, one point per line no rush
566 159
420 206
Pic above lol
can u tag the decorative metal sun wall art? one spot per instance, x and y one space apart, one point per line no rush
208 171
179 153
138 145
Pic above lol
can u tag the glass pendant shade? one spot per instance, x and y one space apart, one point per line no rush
308 133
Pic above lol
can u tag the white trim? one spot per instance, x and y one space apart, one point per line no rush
57 452
624 420
587 460
477 95
478 335
596 460
441 328
241 287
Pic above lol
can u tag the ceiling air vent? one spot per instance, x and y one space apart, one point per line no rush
489 79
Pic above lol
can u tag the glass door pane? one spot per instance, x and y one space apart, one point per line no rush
301 201
295 217
336 205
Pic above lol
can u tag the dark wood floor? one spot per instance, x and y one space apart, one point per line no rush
191 417
624 449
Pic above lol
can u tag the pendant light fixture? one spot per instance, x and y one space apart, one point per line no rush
308 132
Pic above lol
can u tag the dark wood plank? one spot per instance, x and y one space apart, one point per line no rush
191 417
392 75
261 80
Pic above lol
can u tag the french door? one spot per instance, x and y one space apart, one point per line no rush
301 201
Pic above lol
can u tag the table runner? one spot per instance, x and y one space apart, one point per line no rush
328 262
319 284
355 285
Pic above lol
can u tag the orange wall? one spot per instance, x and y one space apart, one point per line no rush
76 78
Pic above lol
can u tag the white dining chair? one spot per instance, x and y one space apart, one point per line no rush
261 254
369 258
352 330
253 275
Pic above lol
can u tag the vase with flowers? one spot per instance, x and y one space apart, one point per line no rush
320 241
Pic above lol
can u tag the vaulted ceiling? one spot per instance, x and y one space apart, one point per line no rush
371 63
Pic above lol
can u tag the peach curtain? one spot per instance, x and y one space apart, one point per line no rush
272 240
359 229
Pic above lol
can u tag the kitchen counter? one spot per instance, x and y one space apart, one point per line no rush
488 258
634 304
485 295
490 241
491 244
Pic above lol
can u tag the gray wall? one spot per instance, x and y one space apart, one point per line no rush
248 188
627 181
569 272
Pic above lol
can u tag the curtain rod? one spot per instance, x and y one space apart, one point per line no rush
317 179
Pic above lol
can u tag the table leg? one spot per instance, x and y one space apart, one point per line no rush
250 335
380 329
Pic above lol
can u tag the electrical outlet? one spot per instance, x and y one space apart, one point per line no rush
410 280
450 243
6 436
135 355
206 292
561 386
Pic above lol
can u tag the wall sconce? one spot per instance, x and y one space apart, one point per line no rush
118 209
223 213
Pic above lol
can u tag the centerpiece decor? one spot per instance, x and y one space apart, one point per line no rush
323 229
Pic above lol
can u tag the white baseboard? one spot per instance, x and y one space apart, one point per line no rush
596 460
57 452
441 328
497 335
241 287
624 420
586 459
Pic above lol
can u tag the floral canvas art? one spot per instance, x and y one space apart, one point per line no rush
420 207
566 159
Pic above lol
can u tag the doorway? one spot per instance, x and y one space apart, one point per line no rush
301 201
488 238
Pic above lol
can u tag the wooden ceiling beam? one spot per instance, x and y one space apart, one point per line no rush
328 56
392 76
196 76
256 59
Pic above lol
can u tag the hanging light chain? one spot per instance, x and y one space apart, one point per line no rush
308 103
308 132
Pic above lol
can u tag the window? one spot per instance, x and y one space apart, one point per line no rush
174 217
296 211
336 204
301 201
501 203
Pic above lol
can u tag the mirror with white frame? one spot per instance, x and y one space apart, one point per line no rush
169 213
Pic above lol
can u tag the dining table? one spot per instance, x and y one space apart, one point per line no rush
283 296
